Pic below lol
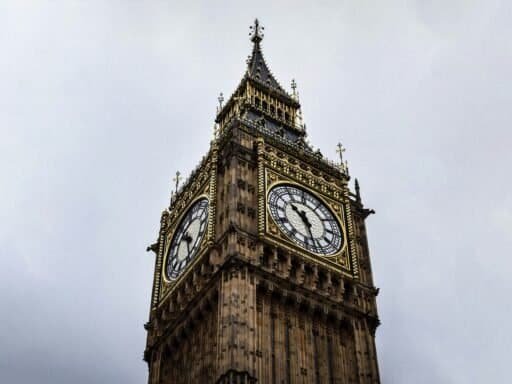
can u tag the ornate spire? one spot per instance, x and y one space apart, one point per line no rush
257 69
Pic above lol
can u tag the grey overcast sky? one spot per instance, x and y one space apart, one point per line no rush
102 101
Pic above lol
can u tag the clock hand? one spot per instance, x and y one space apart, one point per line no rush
308 226
304 219
301 213
188 240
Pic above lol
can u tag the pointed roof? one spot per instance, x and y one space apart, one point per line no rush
260 75
257 68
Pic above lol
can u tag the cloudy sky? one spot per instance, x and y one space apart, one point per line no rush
102 101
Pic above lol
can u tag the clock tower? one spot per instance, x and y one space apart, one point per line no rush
262 269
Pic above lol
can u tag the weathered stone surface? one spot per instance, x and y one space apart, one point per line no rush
253 306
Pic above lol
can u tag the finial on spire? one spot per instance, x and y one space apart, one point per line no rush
340 150
358 192
256 32
177 180
221 100
295 94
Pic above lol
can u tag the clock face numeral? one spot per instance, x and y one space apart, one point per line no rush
305 219
187 238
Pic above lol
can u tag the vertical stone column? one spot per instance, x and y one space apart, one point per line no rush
265 352
365 364
156 362
372 355
237 307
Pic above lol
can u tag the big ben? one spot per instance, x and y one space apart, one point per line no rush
262 268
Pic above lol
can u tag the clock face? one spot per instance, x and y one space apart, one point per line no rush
305 219
187 238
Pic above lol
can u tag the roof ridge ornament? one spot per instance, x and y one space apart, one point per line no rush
340 151
343 165
221 100
177 180
295 93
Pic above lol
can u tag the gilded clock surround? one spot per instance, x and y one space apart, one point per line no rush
272 229
275 167
201 184
170 235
